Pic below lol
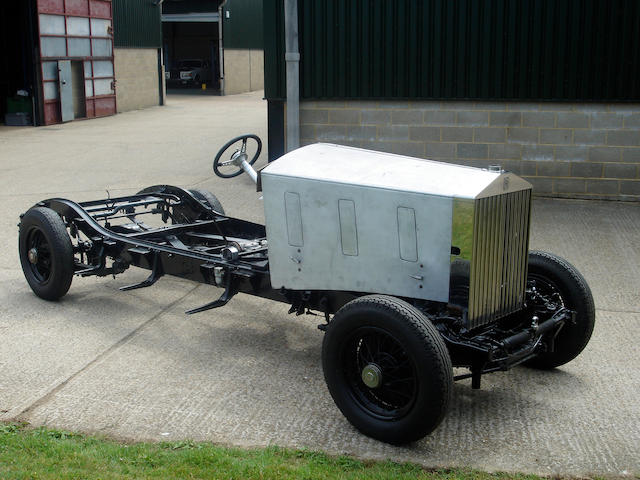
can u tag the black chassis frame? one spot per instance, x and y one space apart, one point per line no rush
200 244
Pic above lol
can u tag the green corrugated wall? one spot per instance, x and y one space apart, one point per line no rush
577 50
190 6
136 23
243 28
274 68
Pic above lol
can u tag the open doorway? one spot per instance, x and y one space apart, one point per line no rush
77 89
191 56
18 83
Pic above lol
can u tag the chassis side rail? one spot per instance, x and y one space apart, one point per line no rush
73 212
160 250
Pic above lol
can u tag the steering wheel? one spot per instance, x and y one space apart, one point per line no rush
232 167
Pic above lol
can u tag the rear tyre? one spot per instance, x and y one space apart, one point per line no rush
387 369
558 280
46 253
209 199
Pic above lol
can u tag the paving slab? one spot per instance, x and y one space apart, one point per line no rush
133 366
601 239
45 343
251 376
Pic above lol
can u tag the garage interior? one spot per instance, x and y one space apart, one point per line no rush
17 33
191 36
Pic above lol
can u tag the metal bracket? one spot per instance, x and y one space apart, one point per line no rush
228 294
476 378
156 272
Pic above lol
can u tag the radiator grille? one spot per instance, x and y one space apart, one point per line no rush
499 262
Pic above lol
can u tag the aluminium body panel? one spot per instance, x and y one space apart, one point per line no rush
332 236
356 166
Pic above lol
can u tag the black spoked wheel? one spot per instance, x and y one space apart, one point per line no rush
553 283
39 255
239 147
370 352
46 253
387 368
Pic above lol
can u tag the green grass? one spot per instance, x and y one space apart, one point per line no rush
53 454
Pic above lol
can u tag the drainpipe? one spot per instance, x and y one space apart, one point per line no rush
292 59
220 49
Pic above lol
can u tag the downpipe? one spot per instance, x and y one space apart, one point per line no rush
221 47
292 62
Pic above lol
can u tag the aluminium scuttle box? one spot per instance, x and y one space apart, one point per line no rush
342 218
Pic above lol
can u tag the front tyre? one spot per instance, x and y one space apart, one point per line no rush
46 253
387 369
558 281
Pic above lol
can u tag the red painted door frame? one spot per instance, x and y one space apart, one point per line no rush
97 105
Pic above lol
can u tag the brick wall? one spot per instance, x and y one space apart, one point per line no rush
564 150
136 72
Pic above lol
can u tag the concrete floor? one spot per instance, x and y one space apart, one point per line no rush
132 365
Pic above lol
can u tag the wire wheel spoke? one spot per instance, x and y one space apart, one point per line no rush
41 267
392 385
547 293
399 393
366 351
390 380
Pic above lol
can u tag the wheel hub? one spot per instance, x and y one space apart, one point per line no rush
33 256
372 375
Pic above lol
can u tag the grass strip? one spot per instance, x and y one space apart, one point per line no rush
41 453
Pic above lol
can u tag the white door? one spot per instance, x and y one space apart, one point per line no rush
66 90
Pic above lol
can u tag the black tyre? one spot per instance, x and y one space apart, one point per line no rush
46 253
209 199
558 280
387 369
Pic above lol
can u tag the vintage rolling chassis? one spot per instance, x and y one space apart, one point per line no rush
417 267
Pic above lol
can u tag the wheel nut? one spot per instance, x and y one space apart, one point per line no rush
372 376
33 255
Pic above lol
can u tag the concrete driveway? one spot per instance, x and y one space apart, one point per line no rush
132 365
